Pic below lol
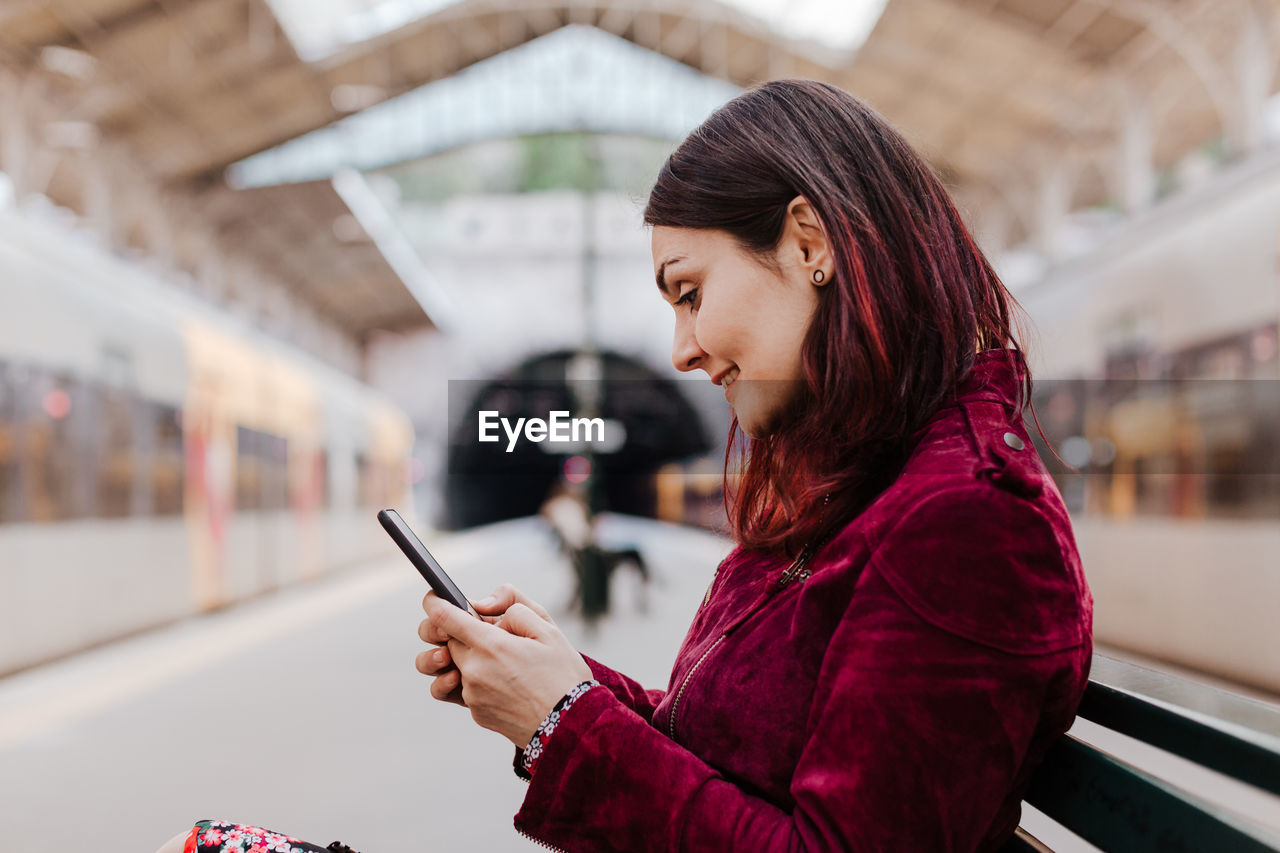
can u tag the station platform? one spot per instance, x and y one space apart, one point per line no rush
303 712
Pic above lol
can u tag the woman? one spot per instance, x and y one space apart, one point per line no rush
904 627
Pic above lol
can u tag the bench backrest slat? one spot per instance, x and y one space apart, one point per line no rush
1173 730
1116 806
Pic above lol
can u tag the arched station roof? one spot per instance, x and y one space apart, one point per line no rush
1014 101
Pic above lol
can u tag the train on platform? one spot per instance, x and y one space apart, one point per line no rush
1158 381
159 457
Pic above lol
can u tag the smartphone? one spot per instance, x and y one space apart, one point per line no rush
422 559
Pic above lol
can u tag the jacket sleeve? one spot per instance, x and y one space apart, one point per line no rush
916 735
627 690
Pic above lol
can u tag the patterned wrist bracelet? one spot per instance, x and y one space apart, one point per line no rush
540 737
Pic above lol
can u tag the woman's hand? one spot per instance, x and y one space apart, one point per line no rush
447 686
508 669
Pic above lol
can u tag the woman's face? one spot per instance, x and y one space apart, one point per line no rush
739 321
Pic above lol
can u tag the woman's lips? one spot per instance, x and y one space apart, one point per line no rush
729 381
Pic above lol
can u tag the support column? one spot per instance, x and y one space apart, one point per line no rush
1052 201
100 197
15 135
1252 77
1134 179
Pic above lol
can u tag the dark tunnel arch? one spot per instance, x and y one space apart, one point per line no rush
484 483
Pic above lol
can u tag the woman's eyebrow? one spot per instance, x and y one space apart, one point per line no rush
662 274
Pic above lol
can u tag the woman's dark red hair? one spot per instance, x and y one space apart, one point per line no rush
911 302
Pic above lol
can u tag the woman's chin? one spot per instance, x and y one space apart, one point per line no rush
764 408
754 423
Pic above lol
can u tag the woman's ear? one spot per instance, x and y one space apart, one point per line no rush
810 239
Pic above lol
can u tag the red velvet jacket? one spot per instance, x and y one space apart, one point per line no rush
895 699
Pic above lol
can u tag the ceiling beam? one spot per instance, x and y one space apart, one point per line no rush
125 19
472 31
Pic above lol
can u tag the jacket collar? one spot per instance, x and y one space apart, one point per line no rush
997 376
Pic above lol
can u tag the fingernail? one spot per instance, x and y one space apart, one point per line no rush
487 601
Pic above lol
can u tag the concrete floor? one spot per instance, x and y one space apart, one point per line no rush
302 712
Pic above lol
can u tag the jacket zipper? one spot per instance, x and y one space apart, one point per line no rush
796 571
714 576
540 842
791 575
675 706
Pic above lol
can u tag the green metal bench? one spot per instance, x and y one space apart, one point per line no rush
1115 806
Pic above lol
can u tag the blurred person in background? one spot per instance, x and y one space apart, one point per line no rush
903 627
565 512
569 518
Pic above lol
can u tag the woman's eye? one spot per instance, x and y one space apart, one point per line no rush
688 298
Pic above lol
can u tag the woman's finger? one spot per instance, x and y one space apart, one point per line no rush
429 632
433 661
448 688
525 622
505 596
457 625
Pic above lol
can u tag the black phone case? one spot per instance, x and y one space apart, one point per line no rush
422 560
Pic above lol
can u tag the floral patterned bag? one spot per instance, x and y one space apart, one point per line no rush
216 836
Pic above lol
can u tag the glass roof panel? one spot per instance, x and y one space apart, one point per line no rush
576 78
838 24
319 28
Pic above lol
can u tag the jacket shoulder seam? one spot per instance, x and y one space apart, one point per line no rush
903 590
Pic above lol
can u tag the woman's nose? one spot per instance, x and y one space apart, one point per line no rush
686 355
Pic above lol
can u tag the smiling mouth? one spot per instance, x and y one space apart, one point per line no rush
730 377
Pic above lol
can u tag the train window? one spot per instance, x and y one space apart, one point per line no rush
248 470
275 468
114 454
262 470
72 449
1188 434
10 453
365 495
167 460
46 447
